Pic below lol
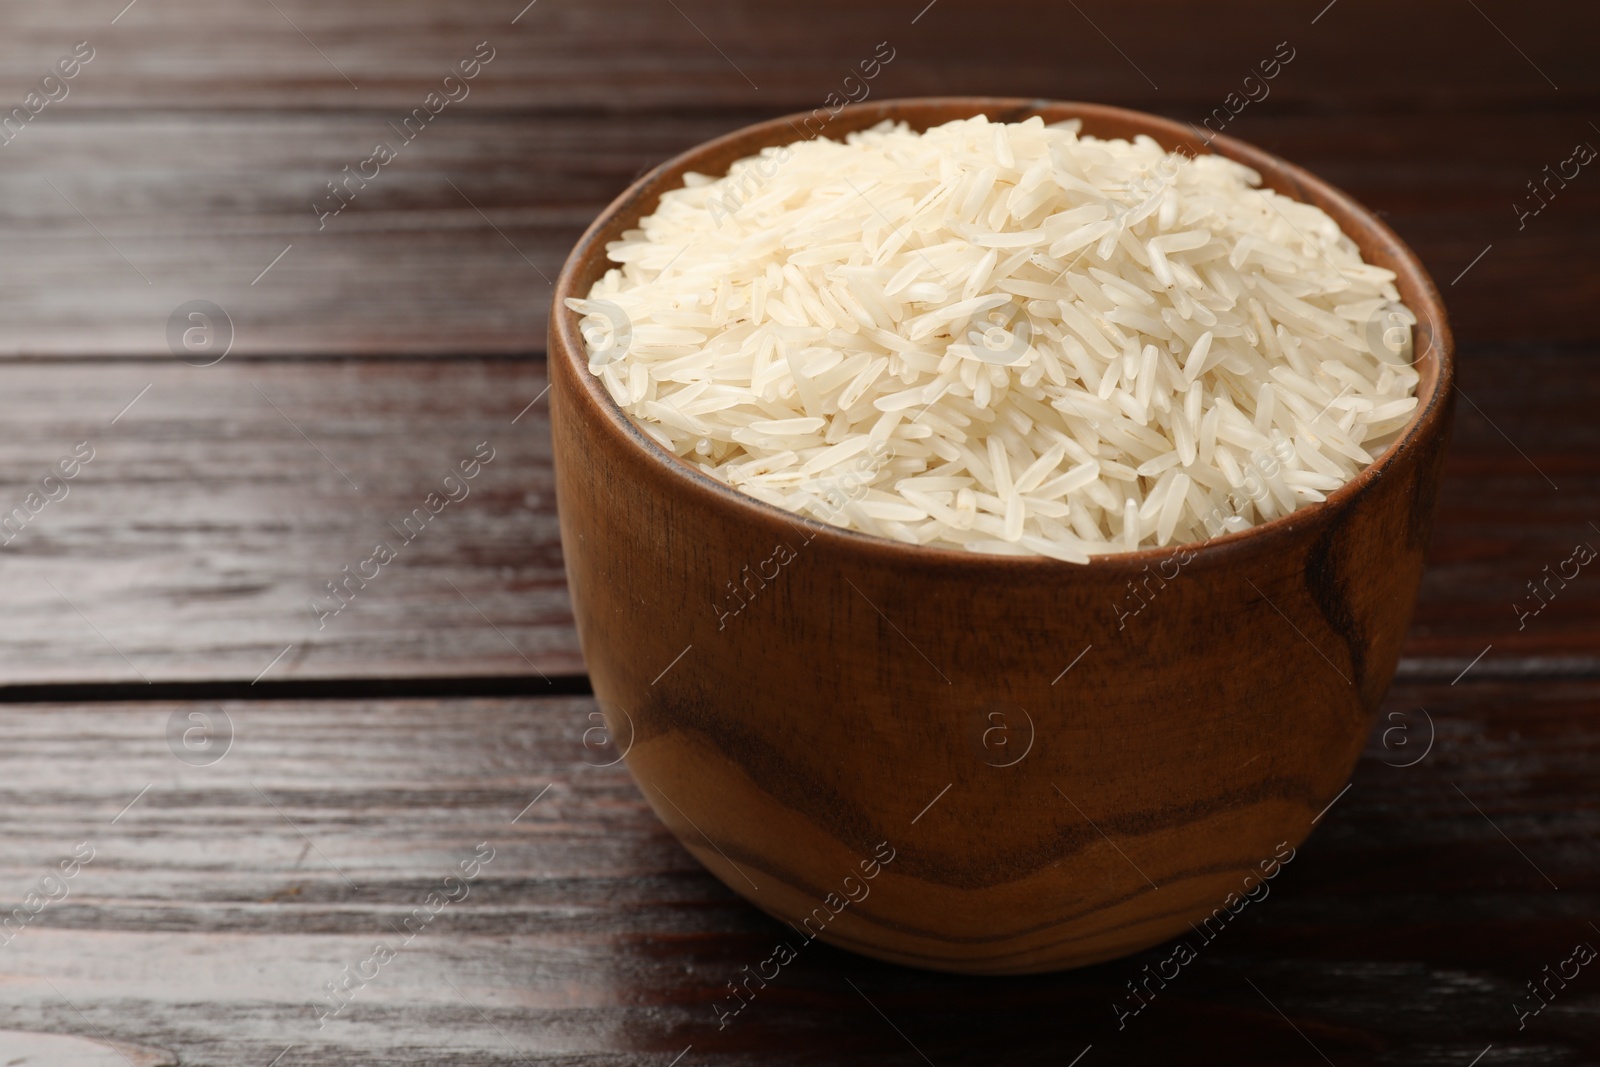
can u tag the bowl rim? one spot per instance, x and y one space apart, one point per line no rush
587 262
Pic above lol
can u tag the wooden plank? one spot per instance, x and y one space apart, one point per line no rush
222 898
115 219
195 540
1521 494
118 220
218 506
25 1049
235 54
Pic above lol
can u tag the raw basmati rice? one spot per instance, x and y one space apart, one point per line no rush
1008 338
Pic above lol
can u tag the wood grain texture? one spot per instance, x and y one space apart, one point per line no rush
25 1049
195 537
220 504
1521 493
235 54
1402 932
808 766
200 204
190 150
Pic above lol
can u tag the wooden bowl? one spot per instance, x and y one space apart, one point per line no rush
975 763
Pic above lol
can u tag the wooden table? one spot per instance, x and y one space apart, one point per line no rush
264 801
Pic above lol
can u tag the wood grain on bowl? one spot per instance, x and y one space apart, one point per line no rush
828 749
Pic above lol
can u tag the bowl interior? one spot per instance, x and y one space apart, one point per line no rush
1379 245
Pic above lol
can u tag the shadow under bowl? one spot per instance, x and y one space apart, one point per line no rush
975 763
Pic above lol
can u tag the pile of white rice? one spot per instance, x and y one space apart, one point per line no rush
1004 338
